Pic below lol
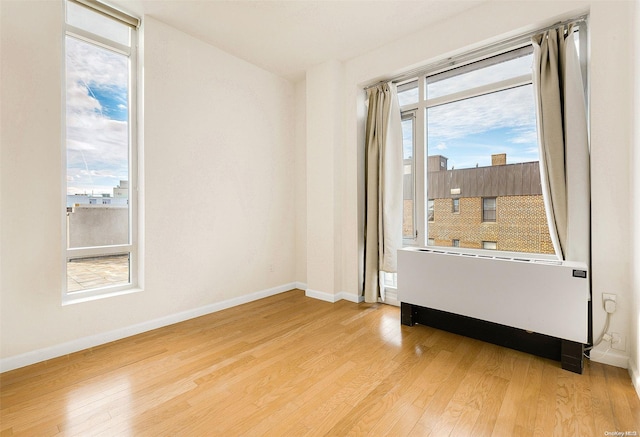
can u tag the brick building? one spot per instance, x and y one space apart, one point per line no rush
496 207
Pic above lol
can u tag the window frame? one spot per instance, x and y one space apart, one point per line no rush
485 210
485 57
132 246
423 103
455 205
411 115
489 243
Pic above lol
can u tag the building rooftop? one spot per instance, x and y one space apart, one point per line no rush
89 273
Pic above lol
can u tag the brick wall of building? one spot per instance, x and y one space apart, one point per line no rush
520 226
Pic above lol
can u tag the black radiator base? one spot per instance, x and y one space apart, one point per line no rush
569 353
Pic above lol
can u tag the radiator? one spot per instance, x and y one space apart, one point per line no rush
547 297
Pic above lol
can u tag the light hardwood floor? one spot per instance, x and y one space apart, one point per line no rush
293 366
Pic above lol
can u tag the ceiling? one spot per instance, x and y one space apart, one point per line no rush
288 37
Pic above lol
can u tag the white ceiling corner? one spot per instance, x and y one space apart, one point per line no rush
288 37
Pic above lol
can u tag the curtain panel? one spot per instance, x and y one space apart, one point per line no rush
383 187
563 142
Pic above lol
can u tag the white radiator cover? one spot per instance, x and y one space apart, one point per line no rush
539 296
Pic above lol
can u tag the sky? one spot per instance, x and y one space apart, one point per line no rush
469 131
97 118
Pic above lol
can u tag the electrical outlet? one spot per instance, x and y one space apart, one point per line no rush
608 296
618 341
609 302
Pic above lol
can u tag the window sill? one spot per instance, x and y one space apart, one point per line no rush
81 297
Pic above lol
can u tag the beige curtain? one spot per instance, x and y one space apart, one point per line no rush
383 185
563 141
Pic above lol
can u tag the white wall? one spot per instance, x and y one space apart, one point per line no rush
611 128
219 187
325 132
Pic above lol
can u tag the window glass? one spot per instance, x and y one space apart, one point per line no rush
489 209
97 143
467 132
97 271
408 93
481 73
482 151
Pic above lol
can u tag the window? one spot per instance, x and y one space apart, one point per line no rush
469 135
100 150
472 127
490 245
489 209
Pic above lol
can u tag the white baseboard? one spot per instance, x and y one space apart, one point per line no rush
321 295
611 357
26 359
350 297
333 298
635 375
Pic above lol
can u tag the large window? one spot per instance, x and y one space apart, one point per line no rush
100 150
479 154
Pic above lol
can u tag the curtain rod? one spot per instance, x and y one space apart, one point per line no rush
470 56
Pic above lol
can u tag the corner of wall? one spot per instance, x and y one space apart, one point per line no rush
300 191
610 357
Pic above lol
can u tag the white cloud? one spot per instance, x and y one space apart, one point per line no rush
509 108
441 146
97 146
482 76
525 135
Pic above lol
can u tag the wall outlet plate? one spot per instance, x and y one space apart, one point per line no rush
608 296
618 341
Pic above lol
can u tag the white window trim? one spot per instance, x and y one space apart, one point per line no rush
412 241
134 134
